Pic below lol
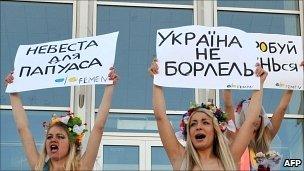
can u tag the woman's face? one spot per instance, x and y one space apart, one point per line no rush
201 130
57 143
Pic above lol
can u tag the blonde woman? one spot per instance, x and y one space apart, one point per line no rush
62 146
206 147
265 129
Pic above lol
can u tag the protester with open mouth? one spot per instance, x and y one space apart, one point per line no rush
206 146
64 134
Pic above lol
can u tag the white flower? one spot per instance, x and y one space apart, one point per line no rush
78 129
271 159
65 119
271 154
179 135
231 126
260 154
186 119
213 109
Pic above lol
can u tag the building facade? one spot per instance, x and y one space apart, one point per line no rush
131 140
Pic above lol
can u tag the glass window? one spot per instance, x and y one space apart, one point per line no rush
267 4
13 157
30 23
160 159
180 2
9 133
119 157
135 50
290 143
261 22
143 123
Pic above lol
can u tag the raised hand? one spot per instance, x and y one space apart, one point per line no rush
260 72
9 78
153 69
113 75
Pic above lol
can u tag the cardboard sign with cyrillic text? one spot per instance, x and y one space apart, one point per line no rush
81 61
281 56
206 57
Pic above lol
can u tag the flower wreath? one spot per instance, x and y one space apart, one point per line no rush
76 129
217 112
269 160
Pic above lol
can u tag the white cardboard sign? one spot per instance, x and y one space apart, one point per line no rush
206 57
281 56
80 61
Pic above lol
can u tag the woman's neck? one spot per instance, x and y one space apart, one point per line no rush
58 164
206 154
209 160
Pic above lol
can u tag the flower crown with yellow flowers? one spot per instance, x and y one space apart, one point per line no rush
76 129
217 112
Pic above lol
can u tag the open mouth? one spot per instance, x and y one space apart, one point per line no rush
200 136
54 148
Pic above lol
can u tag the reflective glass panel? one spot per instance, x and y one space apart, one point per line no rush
135 50
13 157
9 133
120 157
289 142
24 23
267 4
142 123
179 2
288 24
160 159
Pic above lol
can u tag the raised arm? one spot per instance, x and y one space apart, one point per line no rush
228 104
246 131
91 152
279 113
21 121
228 107
174 149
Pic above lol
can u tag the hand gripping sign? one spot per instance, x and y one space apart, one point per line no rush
206 57
80 61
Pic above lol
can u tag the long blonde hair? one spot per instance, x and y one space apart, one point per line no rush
262 140
73 160
220 147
